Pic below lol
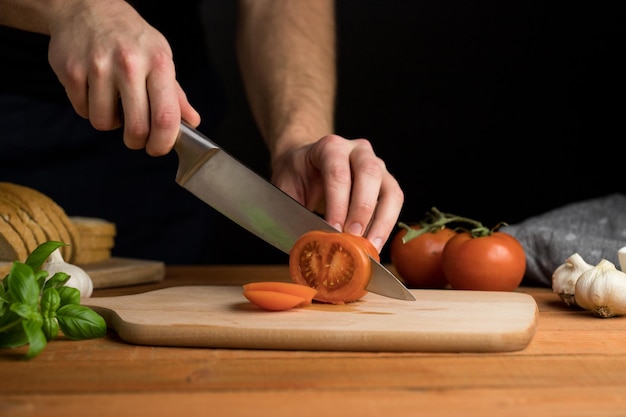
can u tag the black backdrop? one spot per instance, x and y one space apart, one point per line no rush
493 110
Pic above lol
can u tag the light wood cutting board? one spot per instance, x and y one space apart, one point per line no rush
120 272
221 317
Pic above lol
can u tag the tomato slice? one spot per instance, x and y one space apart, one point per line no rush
367 245
303 291
336 264
273 300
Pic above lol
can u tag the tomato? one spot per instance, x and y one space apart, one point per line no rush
303 291
418 261
336 264
273 300
493 262
369 246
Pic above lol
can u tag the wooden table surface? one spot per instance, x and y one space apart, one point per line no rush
574 366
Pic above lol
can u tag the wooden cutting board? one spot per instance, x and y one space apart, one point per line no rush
116 272
119 272
221 317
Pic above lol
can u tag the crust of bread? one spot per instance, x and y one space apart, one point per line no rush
44 211
12 246
30 218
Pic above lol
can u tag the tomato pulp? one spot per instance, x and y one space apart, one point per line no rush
336 264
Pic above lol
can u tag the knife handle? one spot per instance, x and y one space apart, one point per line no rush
193 149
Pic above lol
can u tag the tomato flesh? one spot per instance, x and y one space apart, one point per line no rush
336 264
303 291
273 300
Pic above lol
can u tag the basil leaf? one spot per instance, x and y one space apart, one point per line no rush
40 277
22 286
57 280
50 327
26 311
11 331
4 301
80 322
50 302
36 338
69 295
14 338
41 253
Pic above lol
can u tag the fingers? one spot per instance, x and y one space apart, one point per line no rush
361 196
120 71
162 113
387 211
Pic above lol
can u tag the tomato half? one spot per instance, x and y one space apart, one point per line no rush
418 261
336 264
367 245
495 262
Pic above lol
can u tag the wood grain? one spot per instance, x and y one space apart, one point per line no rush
220 317
575 365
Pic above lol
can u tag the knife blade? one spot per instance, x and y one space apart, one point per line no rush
246 198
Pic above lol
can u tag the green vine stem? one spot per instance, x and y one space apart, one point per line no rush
436 220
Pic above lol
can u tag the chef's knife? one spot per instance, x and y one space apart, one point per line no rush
254 203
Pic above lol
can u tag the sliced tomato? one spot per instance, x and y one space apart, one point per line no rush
367 245
336 264
303 291
273 300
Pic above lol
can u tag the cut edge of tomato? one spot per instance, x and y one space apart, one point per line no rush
360 248
273 300
304 291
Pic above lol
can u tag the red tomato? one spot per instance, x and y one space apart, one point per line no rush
495 262
418 261
336 264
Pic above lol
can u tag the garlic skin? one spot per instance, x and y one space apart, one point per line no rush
621 256
602 290
565 277
79 279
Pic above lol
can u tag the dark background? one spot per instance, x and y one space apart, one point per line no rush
492 110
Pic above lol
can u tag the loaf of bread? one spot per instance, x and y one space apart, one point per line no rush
96 238
29 218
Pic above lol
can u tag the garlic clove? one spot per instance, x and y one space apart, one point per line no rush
621 256
565 276
79 279
602 290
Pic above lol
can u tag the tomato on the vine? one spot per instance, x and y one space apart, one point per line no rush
336 264
490 262
418 261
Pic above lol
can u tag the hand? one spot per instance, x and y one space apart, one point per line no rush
110 60
359 195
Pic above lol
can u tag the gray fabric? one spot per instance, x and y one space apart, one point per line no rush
595 229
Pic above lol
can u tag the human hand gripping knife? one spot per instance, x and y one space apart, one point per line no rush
254 203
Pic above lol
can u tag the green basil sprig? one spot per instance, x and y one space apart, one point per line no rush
33 309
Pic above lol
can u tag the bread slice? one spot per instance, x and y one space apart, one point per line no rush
5 268
12 247
96 239
44 211
93 226
11 214
37 231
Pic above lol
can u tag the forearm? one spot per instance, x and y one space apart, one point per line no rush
287 57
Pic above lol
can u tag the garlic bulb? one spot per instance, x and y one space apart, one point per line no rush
565 276
602 289
79 279
621 256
